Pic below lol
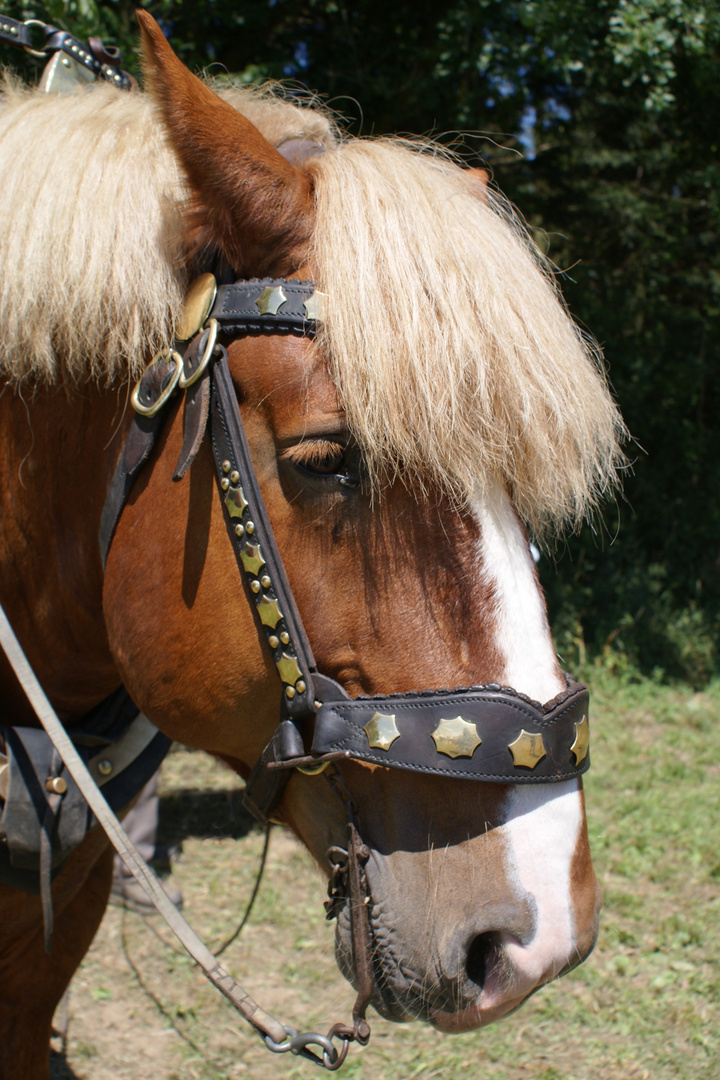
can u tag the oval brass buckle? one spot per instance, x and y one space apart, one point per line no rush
312 770
211 330
164 355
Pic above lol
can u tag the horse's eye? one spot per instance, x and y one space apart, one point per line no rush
326 459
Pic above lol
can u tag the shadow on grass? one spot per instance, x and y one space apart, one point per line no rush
197 813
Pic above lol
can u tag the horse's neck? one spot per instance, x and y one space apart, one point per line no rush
522 633
56 460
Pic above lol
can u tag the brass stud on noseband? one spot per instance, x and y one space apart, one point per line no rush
255 585
456 738
273 642
234 477
226 466
289 692
381 730
250 527
265 581
582 740
239 530
224 483
527 749
285 637
300 686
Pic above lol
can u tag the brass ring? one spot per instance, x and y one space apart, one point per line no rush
28 49
314 771
212 338
150 410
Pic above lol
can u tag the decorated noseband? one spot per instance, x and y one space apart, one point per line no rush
484 733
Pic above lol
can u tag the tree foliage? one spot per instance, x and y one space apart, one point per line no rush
599 119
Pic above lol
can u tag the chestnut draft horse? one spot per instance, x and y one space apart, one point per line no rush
411 390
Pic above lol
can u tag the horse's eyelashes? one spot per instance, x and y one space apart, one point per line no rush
319 456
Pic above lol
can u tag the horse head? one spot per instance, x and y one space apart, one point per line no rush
444 397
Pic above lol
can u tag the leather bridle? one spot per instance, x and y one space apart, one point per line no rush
485 733
482 733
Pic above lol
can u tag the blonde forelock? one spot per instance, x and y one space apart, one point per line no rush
455 358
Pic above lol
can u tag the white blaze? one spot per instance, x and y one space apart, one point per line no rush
542 822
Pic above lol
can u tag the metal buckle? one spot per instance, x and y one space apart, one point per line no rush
42 53
211 330
164 355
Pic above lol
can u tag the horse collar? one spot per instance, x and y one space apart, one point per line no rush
483 733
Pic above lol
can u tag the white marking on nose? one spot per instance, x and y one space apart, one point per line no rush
543 825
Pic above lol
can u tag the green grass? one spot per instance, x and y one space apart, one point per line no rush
646 1004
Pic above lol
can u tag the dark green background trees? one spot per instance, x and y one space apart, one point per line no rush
614 106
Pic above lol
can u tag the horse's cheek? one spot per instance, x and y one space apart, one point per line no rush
179 625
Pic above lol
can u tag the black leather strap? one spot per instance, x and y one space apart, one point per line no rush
14 32
18 33
255 548
500 717
239 308
138 447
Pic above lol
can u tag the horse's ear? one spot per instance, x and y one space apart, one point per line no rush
249 200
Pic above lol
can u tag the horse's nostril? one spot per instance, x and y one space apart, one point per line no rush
477 957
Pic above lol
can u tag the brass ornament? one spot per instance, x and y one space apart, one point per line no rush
255 586
198 305
226 466
235 500
270 300
582 740
252 559
381 730
265 581
527 749
289 692
316 306
285 637
239 530
234 477
250 527
456 738
270 615
273 642
300 686
56 785
288 669
104 767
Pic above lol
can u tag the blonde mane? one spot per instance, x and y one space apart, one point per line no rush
454 356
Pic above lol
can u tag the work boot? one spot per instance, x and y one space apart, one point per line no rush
127 892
